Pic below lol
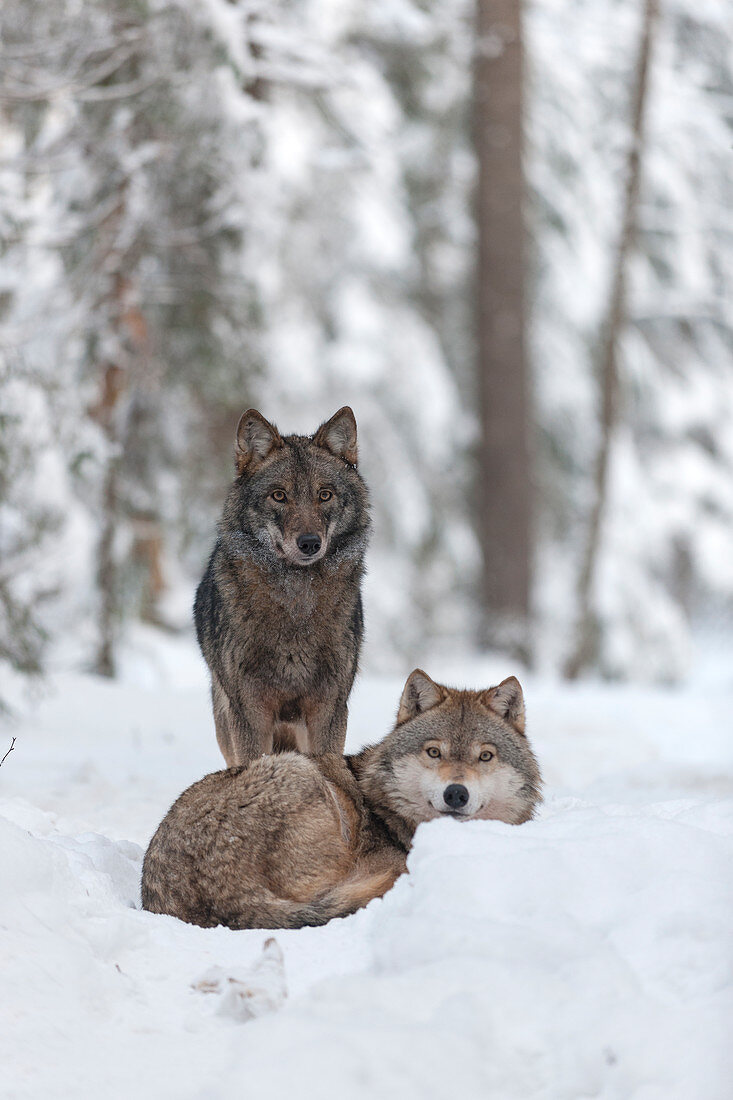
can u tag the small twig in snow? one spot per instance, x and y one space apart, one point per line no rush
7 754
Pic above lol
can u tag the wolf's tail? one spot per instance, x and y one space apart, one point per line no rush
270 911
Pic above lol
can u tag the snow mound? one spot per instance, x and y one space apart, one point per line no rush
584 954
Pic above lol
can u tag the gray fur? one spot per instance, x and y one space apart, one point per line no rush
292 840
281 632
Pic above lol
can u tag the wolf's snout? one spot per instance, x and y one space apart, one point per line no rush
456 796
308 544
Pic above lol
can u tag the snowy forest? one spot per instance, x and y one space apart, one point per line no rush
506 243
502 232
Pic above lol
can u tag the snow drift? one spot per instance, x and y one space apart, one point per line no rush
587 953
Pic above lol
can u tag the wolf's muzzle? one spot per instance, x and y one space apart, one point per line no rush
308 544
455 796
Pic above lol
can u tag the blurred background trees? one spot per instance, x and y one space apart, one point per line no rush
413 209
504 504
584 650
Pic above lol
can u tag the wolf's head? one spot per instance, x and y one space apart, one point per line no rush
462 754
297 499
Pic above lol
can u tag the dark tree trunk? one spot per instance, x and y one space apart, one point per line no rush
587 639
112 413
106 413
107 583
504 486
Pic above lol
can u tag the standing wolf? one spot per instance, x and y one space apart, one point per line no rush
294 840
278 611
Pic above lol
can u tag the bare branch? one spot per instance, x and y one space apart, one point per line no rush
118 91
7 754
616 319
78 84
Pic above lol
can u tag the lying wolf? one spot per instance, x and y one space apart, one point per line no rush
278 612
292 840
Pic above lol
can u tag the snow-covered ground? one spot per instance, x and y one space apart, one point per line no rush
586 954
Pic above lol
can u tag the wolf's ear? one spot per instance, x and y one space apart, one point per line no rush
507 701
419 694
254 440
338 435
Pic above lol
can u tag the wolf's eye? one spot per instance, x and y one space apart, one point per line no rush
432 752
279 495
324 495
486 755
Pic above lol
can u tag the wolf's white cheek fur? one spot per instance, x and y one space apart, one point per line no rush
499 795
410 793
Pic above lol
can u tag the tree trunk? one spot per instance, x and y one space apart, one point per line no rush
504 489
106 413
148 554
587 631
104 664
117 380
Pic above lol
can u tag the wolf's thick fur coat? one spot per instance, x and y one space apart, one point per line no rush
281 628
292 840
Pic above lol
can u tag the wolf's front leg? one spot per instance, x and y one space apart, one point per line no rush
240 736
327 728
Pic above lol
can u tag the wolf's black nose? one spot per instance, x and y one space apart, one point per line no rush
309 544
456 796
